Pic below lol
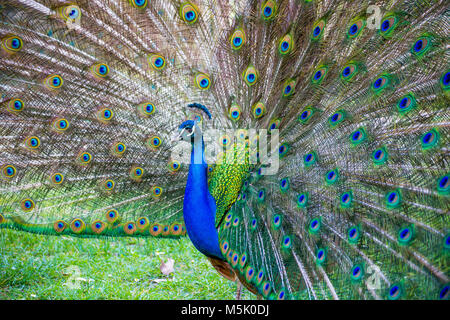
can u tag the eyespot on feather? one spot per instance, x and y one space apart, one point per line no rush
165 230
112 216
32 143
69 12
234 113
273 124
27 205
355 28
98 226
238 39
118 149
15 105
156 192
175 229
139 4
107 185
8 171
317 30
156 61
59 226
53 82
84 158
105 115
319 74
174 166
250 75
202 81
286 44
306 114
268 9
189 12
142 224
57 178
388 24
100 70
77 226
11 44
258 110
289 87
136 173
146 109
60 124
129 228
154 142
155 229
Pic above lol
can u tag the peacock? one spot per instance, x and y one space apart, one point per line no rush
302 145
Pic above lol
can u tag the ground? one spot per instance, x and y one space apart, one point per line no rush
47 267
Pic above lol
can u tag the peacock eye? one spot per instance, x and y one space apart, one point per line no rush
32 142
202 81
11 44
388 25
355 28
15 105
421 45
237 39
100 70
73 14
319 74
189 12
69 12
8 171
156 61
60 124
268 9
140 4
189 130
285 44
318 30
250 75
258 110
349 71
53 81
104 115
289 87
234 112
154 142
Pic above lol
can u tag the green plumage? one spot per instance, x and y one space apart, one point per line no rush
226 180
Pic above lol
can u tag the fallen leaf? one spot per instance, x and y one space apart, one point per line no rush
167 267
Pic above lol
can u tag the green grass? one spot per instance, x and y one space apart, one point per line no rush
43 267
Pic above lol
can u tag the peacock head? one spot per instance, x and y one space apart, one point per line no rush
189 130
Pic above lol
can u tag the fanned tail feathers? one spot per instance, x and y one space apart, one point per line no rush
359 208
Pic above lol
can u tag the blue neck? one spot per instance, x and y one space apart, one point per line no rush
199 207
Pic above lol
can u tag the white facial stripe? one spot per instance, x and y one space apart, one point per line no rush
181 132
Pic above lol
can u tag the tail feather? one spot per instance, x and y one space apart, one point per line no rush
359 206
355 210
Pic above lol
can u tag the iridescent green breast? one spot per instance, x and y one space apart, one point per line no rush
227 177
